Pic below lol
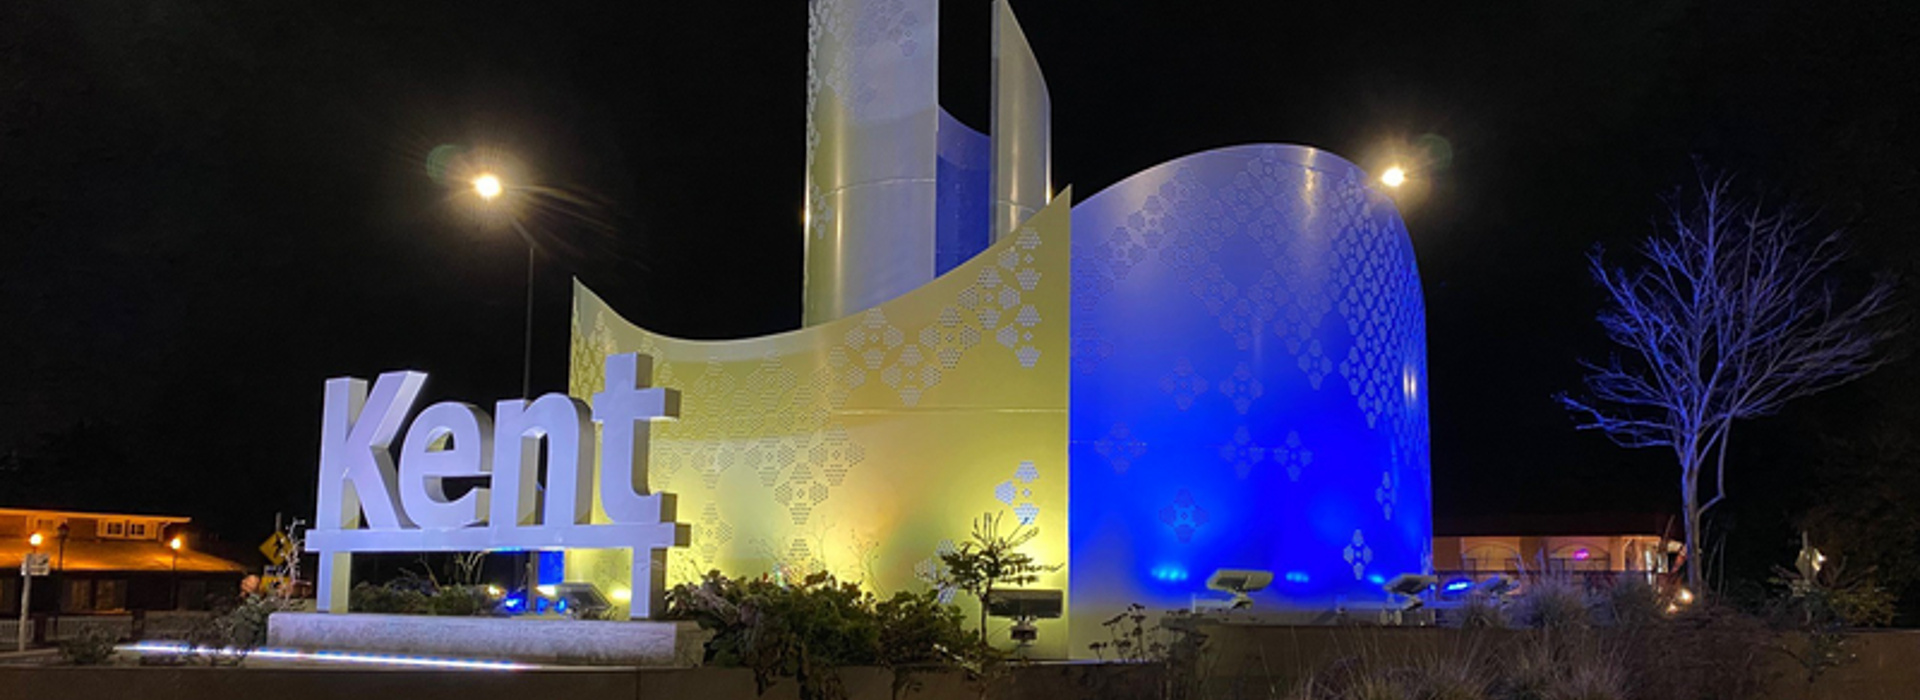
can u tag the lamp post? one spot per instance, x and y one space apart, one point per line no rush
26 588
173 590
60 571
489 188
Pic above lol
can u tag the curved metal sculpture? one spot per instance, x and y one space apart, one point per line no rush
1226 371
1249 383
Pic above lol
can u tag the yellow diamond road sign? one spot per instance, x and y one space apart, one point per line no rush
276 547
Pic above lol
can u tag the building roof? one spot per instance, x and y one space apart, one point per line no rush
1558 525
117 555
56 513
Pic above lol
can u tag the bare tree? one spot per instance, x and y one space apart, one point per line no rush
1735 313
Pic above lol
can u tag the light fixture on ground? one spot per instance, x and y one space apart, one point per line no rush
1239 582
1024 607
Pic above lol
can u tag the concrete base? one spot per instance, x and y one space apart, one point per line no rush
573 642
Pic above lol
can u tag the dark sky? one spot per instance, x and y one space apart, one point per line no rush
208 208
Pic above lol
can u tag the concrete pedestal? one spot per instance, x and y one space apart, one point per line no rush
573 642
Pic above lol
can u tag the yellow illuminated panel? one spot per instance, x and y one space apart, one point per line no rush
863 445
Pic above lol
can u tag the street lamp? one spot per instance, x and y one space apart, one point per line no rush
489 187
26 589
1394 176
173 595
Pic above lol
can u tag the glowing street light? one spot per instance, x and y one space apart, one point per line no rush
1394 176
35 539
487 186
174 595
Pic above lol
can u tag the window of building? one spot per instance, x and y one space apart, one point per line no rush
77 596
1490 557
113 528
110 594
1580 557
46 526
138 530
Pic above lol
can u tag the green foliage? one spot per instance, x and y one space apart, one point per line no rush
460 601
991 560
1174 643
91 647
390 598
418 597
804 630
233 631
1823 607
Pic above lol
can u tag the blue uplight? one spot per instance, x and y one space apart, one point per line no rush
1377 579
1168 573
1459 584
1298 577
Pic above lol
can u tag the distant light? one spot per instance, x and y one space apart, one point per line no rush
1581 554
487 186
175 544
35 539
1169 573
1685 597
621 595
1297 577
547 590
1394 176
494 591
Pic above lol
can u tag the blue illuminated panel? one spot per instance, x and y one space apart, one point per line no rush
1249 386
961 171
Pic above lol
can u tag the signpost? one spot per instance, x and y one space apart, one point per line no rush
36 564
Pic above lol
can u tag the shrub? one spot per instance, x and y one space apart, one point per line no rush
391 598
460 601
1553 602
1633 603
234 631
91 647
1481 611
804 630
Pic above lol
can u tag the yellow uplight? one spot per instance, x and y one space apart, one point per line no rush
621 595
487 186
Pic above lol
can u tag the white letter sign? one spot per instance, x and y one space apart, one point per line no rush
413 510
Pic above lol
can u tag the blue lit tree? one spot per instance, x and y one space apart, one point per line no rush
1735 312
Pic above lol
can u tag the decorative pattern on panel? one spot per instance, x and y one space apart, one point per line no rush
1254 315
858 445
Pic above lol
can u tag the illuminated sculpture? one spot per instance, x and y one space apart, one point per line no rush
1217 363
1228 370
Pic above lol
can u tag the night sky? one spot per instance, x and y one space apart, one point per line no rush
208 208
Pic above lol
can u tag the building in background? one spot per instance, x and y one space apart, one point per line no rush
109 563
1599 548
